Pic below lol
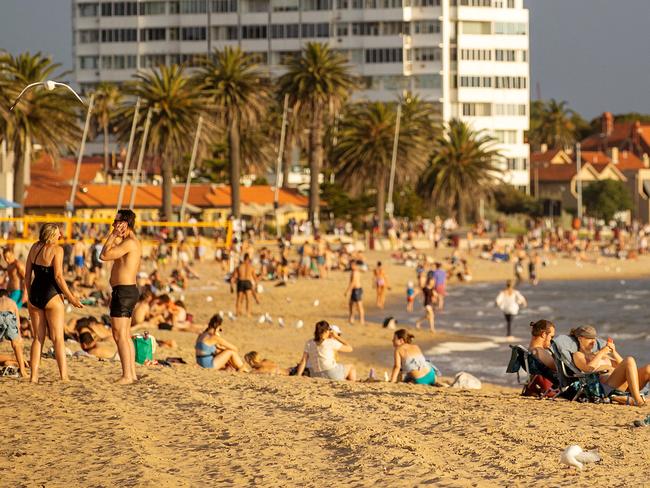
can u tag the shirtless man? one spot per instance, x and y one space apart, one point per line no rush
79 254
123 248
244 278
356 293
16 276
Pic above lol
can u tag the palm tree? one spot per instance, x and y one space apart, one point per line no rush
48 118
232 81
108 98
320 80
362 156
552 124
461 170
176 105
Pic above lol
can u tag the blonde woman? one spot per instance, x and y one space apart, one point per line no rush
44 294
263 366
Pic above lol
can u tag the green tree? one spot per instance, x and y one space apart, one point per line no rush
461 170
232 81
321 80
176 106
362 156
605 198
510 200
108 98
48 118
551 123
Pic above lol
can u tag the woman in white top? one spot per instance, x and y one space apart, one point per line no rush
509 301
320 355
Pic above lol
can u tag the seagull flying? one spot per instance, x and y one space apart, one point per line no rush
48 85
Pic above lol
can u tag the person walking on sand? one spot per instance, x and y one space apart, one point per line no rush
45 303
509 301
15 276
355 291
430 296
123 248
244 279
381 285
79 255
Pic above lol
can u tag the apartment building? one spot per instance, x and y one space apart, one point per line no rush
470 57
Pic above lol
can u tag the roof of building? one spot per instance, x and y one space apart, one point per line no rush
621 132
44 169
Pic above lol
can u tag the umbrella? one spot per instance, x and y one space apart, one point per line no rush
4 203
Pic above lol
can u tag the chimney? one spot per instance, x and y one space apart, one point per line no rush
607 124
543 148
615 155
636 135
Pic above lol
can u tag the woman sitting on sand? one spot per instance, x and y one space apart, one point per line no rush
213 351
320 355
616 372
263 366
542 332
410 360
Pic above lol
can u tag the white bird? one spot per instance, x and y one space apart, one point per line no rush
280 321
48 85
299 324
208 299
316 303
575 456
261 320
268 318
231 316
221 313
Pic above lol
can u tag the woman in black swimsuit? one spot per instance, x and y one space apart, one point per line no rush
46 307
430 297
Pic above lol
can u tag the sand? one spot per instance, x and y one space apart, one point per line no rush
185 426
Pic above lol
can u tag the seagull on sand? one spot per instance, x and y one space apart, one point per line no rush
575 456
49 85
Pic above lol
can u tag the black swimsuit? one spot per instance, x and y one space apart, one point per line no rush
44 286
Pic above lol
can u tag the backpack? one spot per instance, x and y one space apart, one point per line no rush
538 387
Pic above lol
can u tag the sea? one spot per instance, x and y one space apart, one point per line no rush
617 308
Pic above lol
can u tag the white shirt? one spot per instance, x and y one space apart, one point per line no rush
322 357
510 303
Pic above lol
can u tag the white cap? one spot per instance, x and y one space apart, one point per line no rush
336 329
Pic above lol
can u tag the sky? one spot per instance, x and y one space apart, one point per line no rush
591 53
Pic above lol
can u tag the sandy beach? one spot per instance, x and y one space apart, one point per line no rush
183 426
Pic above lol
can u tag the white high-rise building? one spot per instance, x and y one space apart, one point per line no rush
469 56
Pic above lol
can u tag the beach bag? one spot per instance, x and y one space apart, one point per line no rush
466 381
143 348
538 387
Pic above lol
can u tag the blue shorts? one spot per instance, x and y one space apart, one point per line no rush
79 261
8 326
17 297
427 379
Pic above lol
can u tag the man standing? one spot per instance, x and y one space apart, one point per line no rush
15 276
356 292
79 254
244 279
123 248
440 278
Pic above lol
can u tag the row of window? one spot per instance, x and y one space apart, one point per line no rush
484 3
401 83
501 82
478 109
161 7
506 136
506 55
498 28
517 164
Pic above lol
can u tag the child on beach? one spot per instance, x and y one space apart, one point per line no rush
9 328
410 296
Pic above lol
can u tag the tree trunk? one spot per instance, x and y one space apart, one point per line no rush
106 162
381 199
460 211
167 172
20 156
234 159
315 164
288 155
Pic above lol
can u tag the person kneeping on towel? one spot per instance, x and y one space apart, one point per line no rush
123 248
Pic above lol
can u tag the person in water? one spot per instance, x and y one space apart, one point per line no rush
45 297
409 360
213 351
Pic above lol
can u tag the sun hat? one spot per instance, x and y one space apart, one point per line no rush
586 331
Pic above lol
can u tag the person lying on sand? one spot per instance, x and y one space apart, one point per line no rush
410 361
9 329
263 366
93 345
542 332
213 351
142 311
617 373
320 355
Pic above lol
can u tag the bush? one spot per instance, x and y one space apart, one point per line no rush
509 200
604 198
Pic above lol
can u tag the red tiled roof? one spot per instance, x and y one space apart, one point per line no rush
629 161
44 170
544 157
555 172
595 157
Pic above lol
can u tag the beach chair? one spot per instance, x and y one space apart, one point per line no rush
540 382
575 385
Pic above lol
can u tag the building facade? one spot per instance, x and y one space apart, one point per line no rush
469 57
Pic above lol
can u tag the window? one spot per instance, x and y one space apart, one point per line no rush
224 6
422 3
510 109
88 62
152 34
342 4
174 33
152 8
511 3
476 28
88 36
193 34
476 54
390 4
255 31
341 30
427 82
511 82
192 7
476 81
477 109
316 4
475 3
426 27
88 9
225 33
427 54
152 60
394 28
256 6
509 55
175 7
119 9
119 35
365 28
385 55
506 136
510 28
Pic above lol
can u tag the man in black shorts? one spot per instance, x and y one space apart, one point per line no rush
123 248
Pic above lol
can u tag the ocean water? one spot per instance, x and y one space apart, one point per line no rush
617 308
